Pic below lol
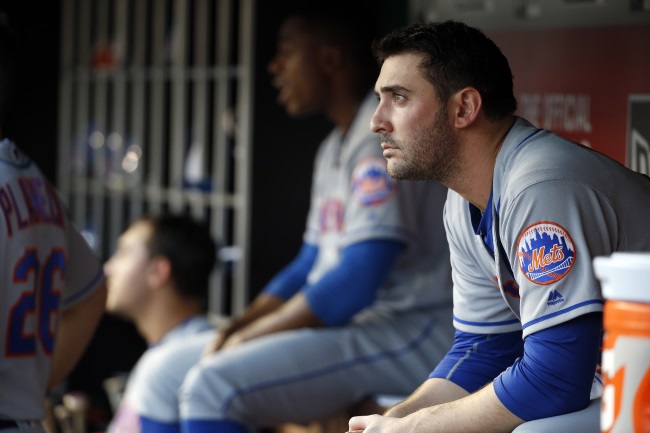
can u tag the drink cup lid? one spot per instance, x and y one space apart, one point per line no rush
624 276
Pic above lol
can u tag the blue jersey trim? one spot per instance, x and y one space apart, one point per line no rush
21 166
529 136
504 322
482 223
83 292
27 160
564 311
211 426
395 353
151 426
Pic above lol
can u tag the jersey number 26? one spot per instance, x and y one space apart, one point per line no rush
40 301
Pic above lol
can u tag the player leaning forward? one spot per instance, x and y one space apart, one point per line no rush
526 213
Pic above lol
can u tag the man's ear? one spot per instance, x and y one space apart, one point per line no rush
160 271
466 105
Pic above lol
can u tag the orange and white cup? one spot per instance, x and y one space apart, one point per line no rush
625 281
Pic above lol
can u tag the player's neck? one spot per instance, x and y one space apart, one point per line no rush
342 108
164 318
482 146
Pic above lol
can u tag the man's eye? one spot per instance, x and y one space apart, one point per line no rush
398 97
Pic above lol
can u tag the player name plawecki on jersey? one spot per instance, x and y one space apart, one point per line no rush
29 201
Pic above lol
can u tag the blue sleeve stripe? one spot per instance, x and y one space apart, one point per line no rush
25 164
467 322
564 311
83 292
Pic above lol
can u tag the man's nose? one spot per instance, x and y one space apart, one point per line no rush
379 122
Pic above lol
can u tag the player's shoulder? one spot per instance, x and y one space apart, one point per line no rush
543 159
12 155
190 346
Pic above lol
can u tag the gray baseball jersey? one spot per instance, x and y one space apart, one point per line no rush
152 387
390 347
555 206
354 199
47 267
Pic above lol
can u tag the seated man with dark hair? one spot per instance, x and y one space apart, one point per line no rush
158 278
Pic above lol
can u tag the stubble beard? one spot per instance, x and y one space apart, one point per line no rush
432 153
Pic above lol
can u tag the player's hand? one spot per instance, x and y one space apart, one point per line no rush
375 424
234 340
218 342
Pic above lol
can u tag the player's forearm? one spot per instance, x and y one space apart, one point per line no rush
481 412
294 314
76 328
262 305
229 334
431 393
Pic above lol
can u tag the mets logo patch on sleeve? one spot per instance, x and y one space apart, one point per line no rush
546 252
371 183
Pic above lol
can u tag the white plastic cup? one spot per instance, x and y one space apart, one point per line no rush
625 281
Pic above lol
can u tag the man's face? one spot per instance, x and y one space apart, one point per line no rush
126 272
297 71
418 141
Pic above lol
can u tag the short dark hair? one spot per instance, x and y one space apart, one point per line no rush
456 56
190 248
353 32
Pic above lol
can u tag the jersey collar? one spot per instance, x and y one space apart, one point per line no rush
482 223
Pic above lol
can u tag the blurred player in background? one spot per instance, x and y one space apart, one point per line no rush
158 278
364 308
52 284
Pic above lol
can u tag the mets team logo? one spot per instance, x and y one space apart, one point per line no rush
546 252
371 183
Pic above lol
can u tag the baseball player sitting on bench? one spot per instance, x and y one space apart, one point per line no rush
364 308
53 290
526 214
158 278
